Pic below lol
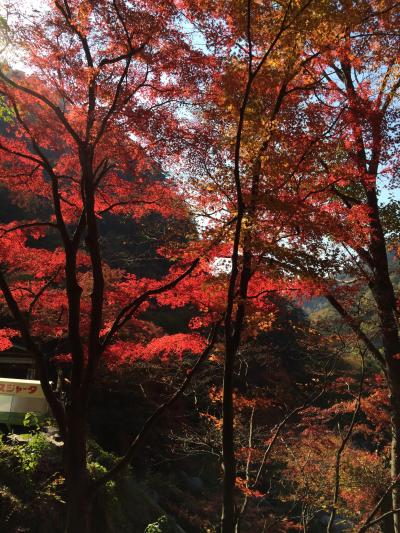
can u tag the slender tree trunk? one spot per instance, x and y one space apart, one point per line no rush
384 295
377 261
387 523
228 517
79 506
391 346
394 397
76 474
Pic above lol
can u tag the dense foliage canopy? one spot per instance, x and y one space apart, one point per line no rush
200 218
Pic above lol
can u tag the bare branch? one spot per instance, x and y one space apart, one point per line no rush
341 448
129 310
28 225
31 346
27 90
149 423
369 521
350 321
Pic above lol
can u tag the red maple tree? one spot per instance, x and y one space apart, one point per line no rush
91 120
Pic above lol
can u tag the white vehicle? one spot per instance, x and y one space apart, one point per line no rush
21 396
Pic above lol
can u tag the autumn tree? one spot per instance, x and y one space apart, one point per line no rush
257 114
341 180
92 118
335 231
279 151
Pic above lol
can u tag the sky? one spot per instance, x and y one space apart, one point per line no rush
386 194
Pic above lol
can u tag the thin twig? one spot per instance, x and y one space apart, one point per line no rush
341 449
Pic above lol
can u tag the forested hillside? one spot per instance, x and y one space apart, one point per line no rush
199 266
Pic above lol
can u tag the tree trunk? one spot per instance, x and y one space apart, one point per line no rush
79 507
385 297
394 397
387 524
228 451
76 475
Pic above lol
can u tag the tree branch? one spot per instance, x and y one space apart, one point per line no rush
55 404
350 321
341 448
149 423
